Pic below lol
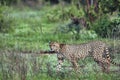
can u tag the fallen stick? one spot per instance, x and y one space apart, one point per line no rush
47 52
40 52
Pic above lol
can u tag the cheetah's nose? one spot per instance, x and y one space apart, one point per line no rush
51 49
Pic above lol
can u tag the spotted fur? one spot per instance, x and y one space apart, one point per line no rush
73 52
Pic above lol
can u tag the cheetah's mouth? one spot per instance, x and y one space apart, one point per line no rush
54 50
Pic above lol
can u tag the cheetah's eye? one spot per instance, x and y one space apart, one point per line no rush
53 45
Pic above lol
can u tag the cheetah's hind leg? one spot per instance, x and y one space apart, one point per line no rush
75 66
104 66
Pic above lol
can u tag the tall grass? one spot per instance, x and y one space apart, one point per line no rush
21 66
32 32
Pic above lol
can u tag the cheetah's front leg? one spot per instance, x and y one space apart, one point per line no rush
75 65
60 61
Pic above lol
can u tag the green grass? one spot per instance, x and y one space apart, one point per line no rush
32 32
29 30
15 65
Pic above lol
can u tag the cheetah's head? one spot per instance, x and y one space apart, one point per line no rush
55 46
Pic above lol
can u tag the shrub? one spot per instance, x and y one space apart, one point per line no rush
115 23
5 22
88 34
76 31
105 27
101 26
58 13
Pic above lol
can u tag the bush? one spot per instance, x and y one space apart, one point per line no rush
5 22
115 23
105 27
63 13
76 31
102 26
88 34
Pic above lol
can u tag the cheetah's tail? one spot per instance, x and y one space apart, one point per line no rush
109 58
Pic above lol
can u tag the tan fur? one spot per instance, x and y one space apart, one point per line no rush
73 53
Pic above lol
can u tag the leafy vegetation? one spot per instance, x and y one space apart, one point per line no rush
105 27
112 7
6 24
34 67
31 29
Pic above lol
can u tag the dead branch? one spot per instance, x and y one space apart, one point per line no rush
40 52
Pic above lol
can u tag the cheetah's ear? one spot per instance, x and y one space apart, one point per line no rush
62 45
